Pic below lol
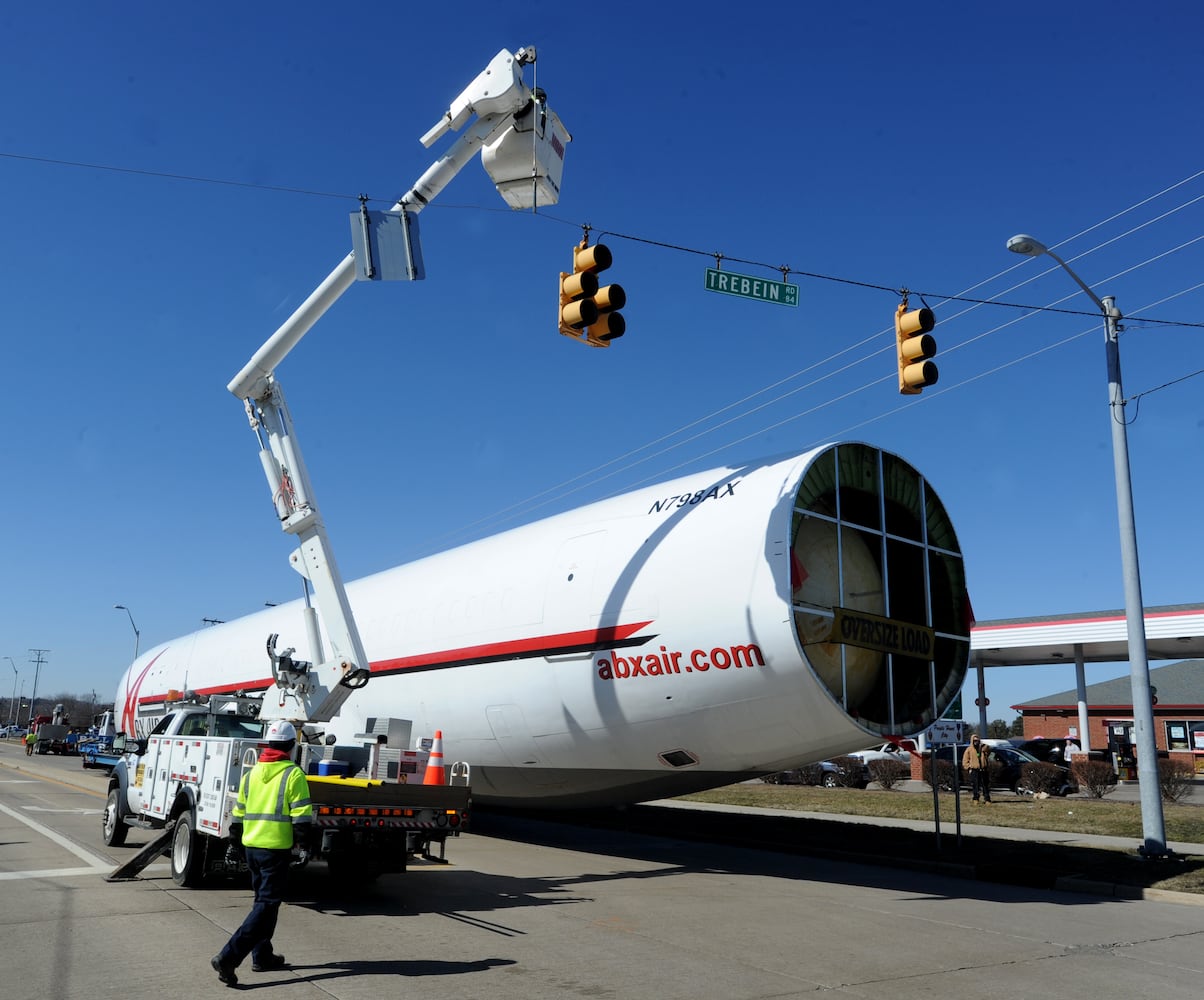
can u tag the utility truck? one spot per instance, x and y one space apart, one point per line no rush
55 735
183 779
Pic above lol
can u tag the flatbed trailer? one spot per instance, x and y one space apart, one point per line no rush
96 755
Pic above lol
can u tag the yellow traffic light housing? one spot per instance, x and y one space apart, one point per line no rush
577 309
915 347
589 313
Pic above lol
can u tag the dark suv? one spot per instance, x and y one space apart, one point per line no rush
1043 748
1007 769
1053 750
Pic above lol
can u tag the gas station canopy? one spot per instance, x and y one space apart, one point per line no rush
1173 632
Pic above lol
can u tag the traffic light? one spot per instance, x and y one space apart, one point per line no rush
587 312
915 347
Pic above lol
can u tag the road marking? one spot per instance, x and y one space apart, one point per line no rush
163 870
49 873
74 812
98 863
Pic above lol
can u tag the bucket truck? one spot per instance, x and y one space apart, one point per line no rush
181 779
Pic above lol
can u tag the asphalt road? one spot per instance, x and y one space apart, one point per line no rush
535 910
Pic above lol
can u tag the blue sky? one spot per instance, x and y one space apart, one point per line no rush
868 146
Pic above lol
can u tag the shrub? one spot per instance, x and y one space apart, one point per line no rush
1040 777
944 773
1095 778
850 772
889 773
1175 777
810 774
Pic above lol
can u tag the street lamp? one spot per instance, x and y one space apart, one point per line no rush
1153 826
137 634
13 708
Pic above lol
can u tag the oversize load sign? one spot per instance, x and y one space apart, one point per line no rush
748 287
856 628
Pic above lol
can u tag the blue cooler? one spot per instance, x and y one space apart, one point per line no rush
332 768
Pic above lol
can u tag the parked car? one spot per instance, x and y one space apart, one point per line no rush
898 752
828 773
1007 768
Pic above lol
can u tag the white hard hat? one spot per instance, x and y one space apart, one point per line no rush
281 731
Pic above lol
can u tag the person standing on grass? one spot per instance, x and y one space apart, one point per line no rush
975 761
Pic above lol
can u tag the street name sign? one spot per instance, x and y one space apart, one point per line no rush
748 287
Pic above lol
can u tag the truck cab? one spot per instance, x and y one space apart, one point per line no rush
184 774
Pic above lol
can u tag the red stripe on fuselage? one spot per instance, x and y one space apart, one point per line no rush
517 649
490 652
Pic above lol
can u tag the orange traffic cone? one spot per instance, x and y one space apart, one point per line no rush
434 765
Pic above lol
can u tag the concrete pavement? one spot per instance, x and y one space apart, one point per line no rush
69 770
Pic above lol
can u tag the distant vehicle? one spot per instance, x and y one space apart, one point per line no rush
1043 748
1053 750
827 773
7 731
900 752
1007 769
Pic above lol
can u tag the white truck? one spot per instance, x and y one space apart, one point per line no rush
183 780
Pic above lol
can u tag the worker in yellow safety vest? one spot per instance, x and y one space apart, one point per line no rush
273 814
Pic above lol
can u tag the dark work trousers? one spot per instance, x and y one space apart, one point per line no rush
980 782
269 876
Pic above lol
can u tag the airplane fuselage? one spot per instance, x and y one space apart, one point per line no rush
728 624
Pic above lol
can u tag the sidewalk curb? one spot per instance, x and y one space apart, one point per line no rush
1073 883
67 779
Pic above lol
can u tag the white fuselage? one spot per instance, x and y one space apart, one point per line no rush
637 647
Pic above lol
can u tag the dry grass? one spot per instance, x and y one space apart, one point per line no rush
1184 823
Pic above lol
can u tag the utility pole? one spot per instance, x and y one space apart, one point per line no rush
12 714
37 668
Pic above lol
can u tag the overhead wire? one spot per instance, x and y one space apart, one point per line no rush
545 496
194 179
528 505
559 492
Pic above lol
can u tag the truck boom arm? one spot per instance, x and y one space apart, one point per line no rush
316 692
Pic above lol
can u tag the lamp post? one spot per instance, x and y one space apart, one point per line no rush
137 634
1153 826
12 714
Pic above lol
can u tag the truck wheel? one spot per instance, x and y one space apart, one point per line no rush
112 827
187 852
